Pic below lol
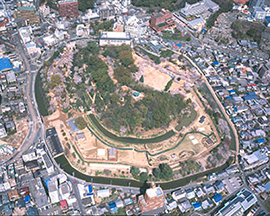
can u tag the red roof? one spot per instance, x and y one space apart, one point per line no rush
253 85
63 204
174 46
248 85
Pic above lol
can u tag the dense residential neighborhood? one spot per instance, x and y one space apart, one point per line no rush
135 107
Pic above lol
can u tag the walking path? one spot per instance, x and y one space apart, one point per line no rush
217 101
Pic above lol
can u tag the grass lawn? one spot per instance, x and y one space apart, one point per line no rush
186 121
178 36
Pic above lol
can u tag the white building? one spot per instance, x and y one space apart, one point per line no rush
91 15
255 159
50 40
64 190
103 193
260 13
29 157
114 38
53 190
32 48
197 24
86 191
184 206
60 35
243 201
45 10
199 8
179 194
190 194
48 163
82 30
135 27
25 33
6 149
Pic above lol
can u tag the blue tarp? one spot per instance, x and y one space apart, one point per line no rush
46 181
262 140
267 187
5 64
113 207
217 198
179 45
27 199
250 96
90 190
197 205
231 91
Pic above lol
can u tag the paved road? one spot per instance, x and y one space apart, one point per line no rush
35 129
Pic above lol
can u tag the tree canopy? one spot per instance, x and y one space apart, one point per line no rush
144 177
55 81
116 107
80 123
166 172
135 171
167 4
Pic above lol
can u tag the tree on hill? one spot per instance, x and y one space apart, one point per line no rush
135 171
144 177
122 75
55 81
80 123
142 79
126 58
166 172
156 172
168 85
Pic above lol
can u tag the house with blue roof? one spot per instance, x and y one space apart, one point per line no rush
261 141
5 64
250 96
27 199
46 182
231 92
217 198
215 63
267 21
90 190
112 207
197 206
267 187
